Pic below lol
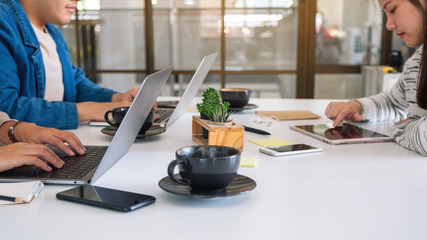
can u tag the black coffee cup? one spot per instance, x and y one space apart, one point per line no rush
237 97
205 168
117 115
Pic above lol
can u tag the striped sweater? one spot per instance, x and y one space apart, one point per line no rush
400 103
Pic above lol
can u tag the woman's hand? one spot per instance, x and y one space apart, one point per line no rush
402 121
20 154
31 133
340 111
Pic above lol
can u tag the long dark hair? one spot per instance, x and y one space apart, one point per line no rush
422 83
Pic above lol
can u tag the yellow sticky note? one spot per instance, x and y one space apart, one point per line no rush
267 142
248 162
190 109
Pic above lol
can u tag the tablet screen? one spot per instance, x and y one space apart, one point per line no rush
344 131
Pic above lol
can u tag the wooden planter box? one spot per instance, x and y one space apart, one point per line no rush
230 136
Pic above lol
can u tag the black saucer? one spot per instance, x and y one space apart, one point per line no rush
240 184
246 107
154 130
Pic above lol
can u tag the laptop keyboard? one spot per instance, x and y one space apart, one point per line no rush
74 167
164 115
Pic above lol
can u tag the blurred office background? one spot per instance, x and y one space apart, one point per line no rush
278 48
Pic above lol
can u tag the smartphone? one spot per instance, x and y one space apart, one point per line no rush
98 124
106 198
289 149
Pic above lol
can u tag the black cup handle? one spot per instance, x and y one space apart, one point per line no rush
171 170
106 117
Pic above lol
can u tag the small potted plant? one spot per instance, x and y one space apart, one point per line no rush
214 126
213 108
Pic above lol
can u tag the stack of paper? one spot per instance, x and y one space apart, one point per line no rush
249 162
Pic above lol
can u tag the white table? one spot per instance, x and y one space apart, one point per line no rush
358 191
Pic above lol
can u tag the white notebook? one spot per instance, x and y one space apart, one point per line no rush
20 192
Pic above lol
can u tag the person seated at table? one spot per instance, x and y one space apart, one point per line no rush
26 144
39 84
406 102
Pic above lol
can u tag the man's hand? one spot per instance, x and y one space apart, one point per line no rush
125 97
96 110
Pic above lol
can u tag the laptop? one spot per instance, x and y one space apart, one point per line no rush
344 133
98 159
170 115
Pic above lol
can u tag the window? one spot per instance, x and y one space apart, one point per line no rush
263 44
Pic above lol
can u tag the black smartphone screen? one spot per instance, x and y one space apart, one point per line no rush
106 197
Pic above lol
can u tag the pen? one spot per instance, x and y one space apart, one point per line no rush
10 199
255 130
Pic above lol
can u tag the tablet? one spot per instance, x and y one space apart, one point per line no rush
344 133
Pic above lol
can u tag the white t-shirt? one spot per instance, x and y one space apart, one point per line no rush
53 68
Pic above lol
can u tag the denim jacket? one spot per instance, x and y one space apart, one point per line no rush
22 74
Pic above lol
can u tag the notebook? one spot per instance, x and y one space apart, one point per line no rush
98 159
344 133
170 115
288 115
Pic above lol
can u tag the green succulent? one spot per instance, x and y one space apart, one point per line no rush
220 113
213 106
